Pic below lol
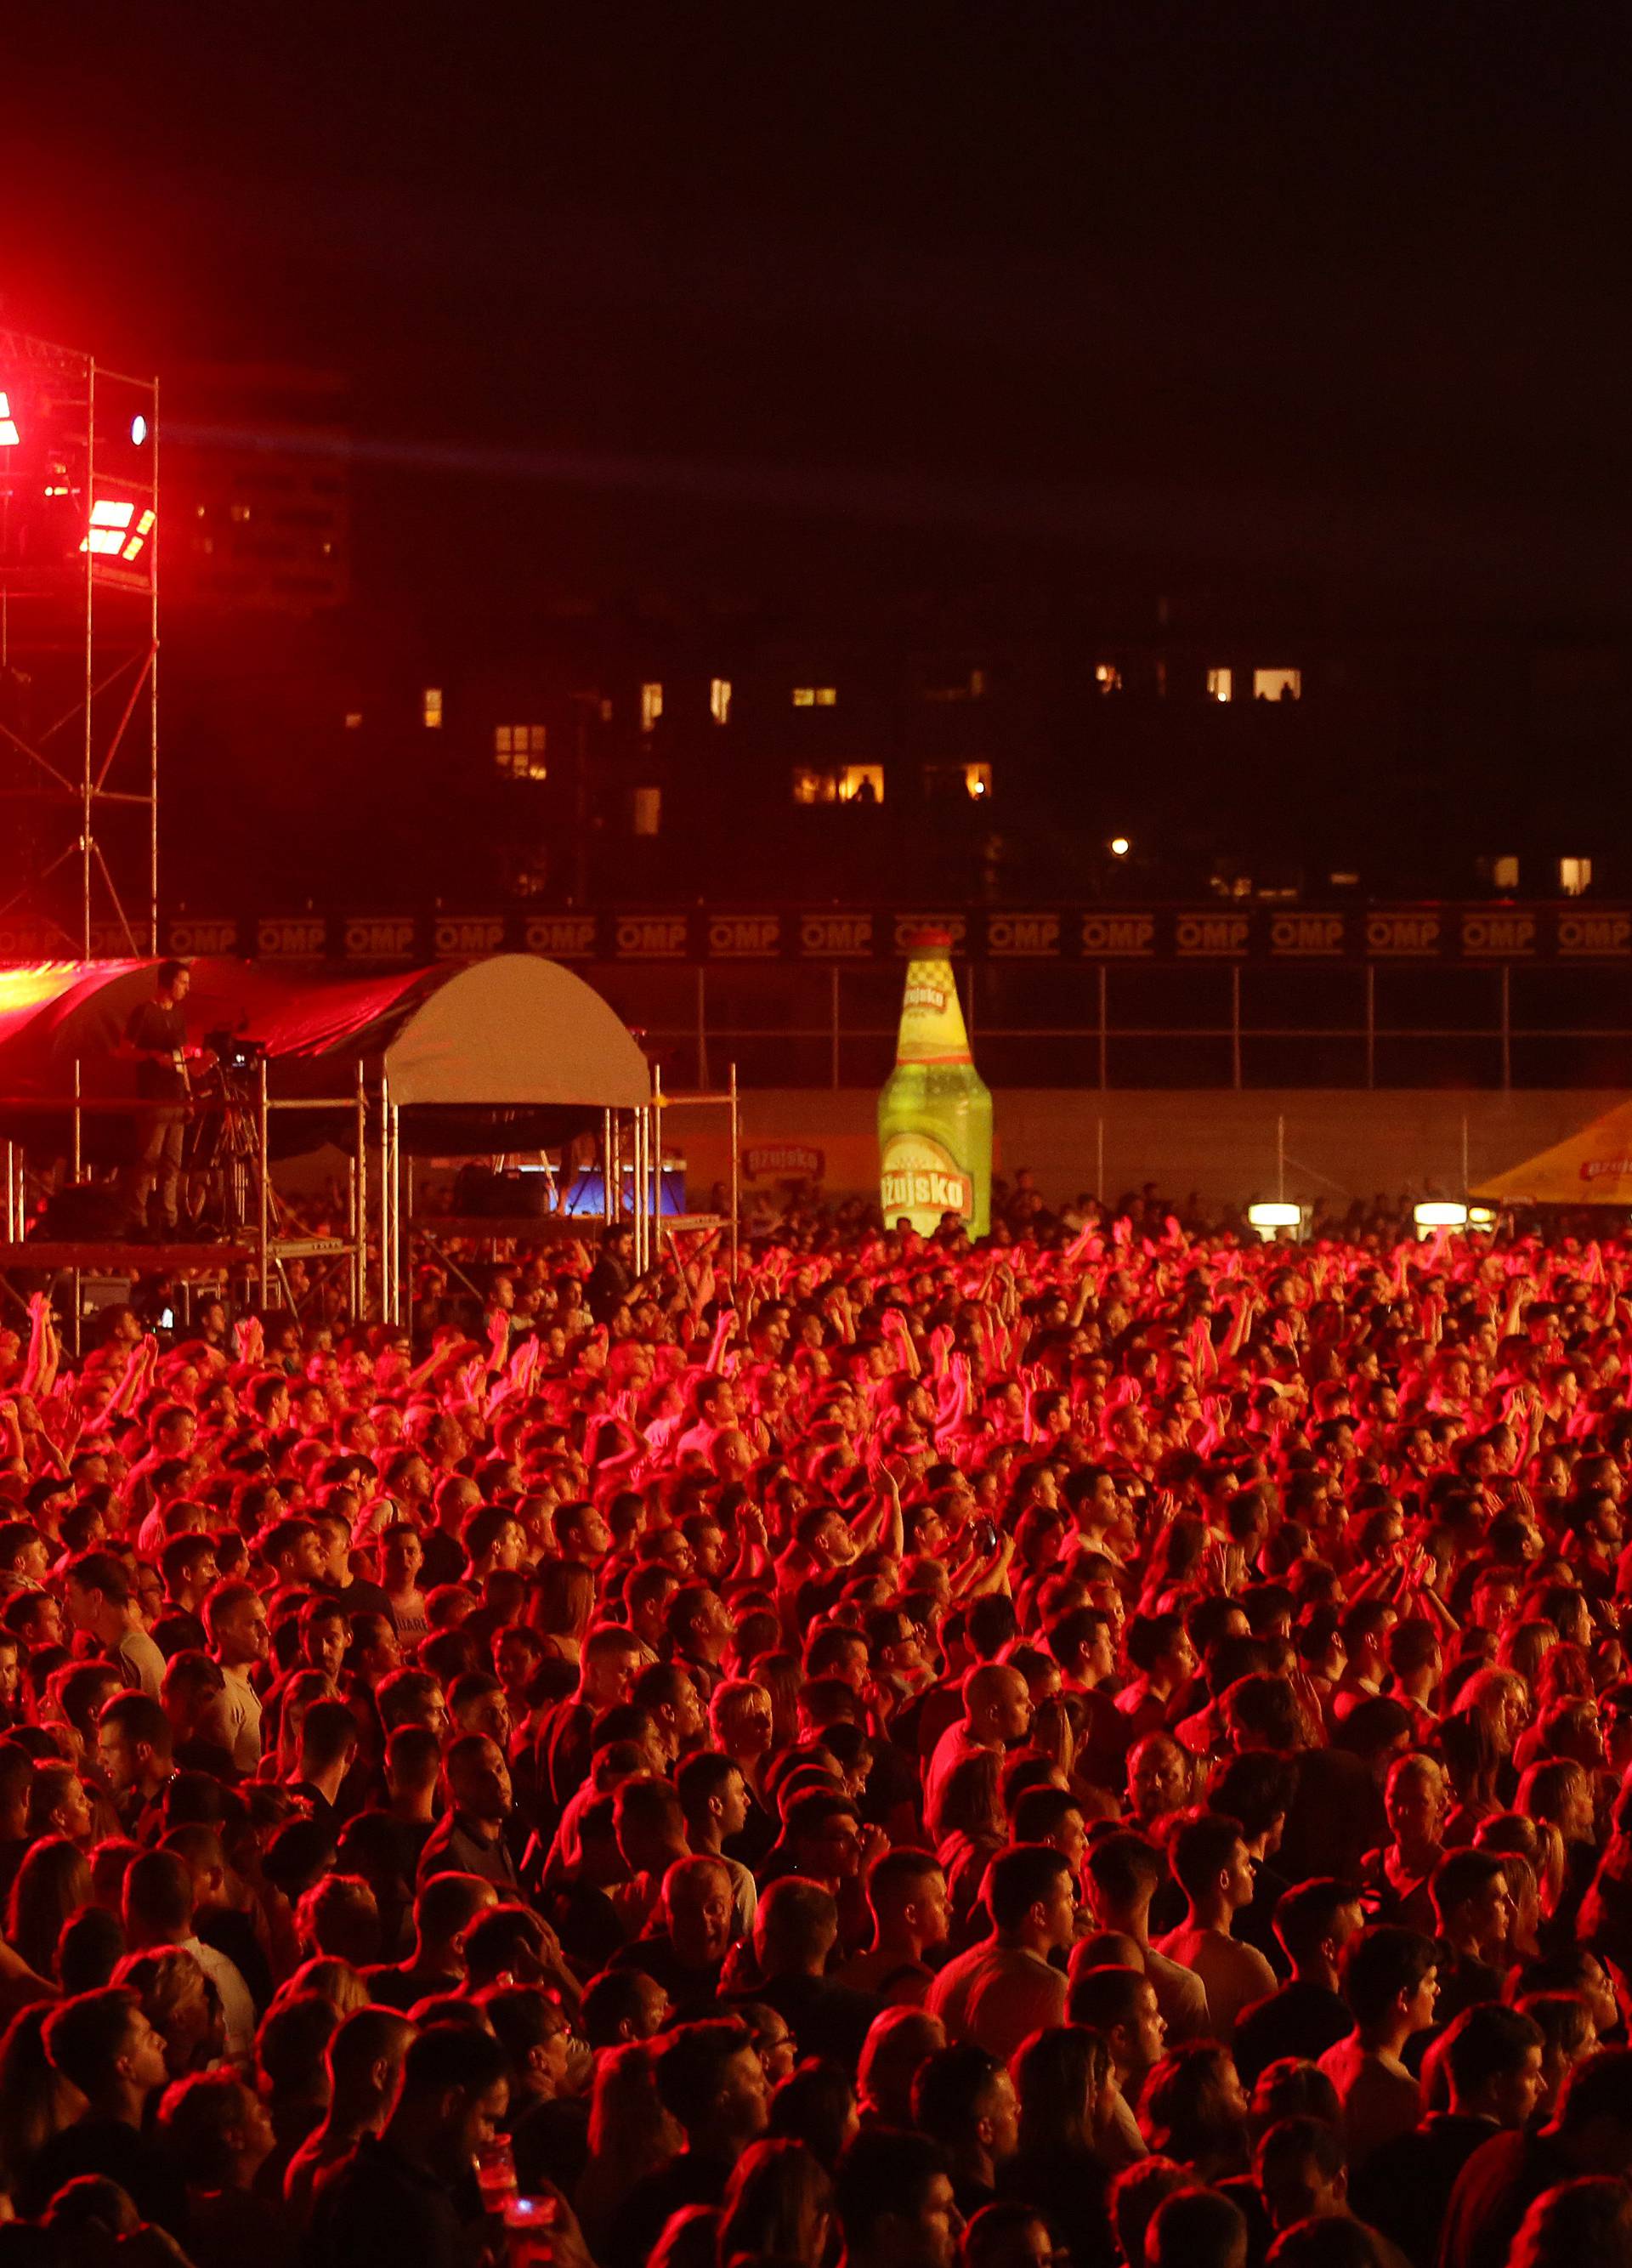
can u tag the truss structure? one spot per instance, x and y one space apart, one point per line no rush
80 534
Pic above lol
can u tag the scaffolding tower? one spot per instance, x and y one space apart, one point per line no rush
78 654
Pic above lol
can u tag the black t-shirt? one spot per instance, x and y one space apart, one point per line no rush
163 1030
108 2146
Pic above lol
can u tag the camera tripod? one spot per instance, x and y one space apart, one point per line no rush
223 1154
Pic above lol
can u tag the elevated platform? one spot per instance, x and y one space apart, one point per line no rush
120 1257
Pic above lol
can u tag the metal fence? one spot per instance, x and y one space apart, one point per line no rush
1103 1027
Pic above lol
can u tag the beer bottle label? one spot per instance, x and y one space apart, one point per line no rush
932 1028
920 1174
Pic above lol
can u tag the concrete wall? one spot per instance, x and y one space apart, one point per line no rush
1339 1143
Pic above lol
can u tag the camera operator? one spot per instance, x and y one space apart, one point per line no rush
155 1035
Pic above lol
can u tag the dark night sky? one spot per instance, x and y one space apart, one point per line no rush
1273 277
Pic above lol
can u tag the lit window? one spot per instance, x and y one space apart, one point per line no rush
861 783
519 749
1220 684
720 700
431 708
1574 876
977 684
1277 684
826 696
812 786
815 696
1505 874
353 719
646 810
650 706
1107 677
974 781
240 512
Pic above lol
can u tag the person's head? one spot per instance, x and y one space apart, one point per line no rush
650 1823
454 2092
180 2002
895 2202
711 2082
339 1917
898 2041
778 2204
445 1909
134 1744
1301 2171
1008 2234
997 1704
907 1898
965 2100
699 1907
1030 1895
1494 2056
795 1927
1391 1981
1196 2228
103 2044
235 1622
534 2034
216 2130
1193 2107
1472 1903
89 1949
365 2060
1589 2220
159 1899
1594 2113
1135 2196
53 1882
815 2104
328 1741
477 1778
1159 1777
1122 1872
1120 2006
1062 2075
622 2005
1291 2087
1209 1862
1569 2031
821 1829
1316 1922
57 1803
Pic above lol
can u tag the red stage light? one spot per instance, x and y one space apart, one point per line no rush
8 435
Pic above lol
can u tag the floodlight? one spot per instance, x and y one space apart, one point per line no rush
1439 1213
1270 1217
8 435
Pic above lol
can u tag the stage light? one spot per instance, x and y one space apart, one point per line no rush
115 531
8 435
110 524
1268 1218
1439 1213
138 429
1119 846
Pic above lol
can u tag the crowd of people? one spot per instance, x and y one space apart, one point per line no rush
1108 1746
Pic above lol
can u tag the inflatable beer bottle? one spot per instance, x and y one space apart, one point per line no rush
935 1116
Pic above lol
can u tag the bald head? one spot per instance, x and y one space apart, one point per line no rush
997 1705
